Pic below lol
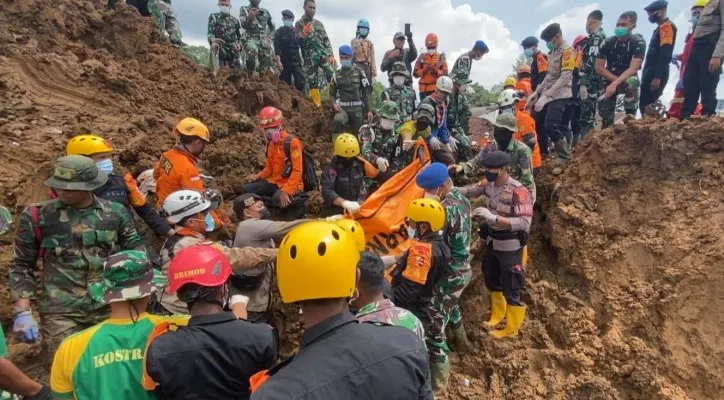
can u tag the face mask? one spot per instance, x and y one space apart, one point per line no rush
550 45
620 32
502 137
431 51
264 213
364 32
491 176
105 165
508 110
433 196
288 23
209 223
225 9
421 125
398 80
387 124
346 63
694 20
273 134
528 52
410 232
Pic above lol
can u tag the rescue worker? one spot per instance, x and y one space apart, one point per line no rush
445 306
224 35
556 93
189 212
317 53
505 230
338 358
349 90
400 54
523 85
166 21
111 352
371 304
400 92
364 51
682 61
381 143
538 72
429 67
73 235
258 30
618 63
176 169
705 61
213 356
464 63
343 183
509 83
590 80
655 75
442 145
526 133
281 178
458 115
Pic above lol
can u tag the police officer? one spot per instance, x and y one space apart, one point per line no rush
286 47
73 235
538 72
505 231
658 57
349 91
343 178
338 358
399 92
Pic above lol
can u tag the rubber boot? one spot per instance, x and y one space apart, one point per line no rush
462 344
562 153
316 97
514 320
497 310
525 256
440 374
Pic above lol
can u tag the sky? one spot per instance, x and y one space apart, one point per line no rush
458 24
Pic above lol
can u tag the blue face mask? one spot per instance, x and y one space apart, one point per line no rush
210 225
528 52
288 22
694 20
363 31
105 165
491 176
346 63
410 232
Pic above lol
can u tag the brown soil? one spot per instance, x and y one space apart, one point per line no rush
625 281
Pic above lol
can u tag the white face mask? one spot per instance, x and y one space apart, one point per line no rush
431 51
433 196
398 80
387 124
225 9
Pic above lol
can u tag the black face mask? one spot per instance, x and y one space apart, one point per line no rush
264 213
421 125
346 162
654 19
502 137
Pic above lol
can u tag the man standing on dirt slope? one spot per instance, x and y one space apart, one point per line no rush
339 358
618 63
258 31
381 143
189 212
661 48
286 47
400 54
429 67
224 35
73 235
105 362
590 79
538 72
445 307
505 232
349 90
464 63
166 20
317 50
399 92
458 114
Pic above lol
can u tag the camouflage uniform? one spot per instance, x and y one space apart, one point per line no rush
445 307
258 40
618 57
458 114
404 96
590 80
165 20
349 89
377 143
227 28
316 50
384 312
461 68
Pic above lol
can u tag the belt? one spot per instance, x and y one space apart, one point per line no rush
350 103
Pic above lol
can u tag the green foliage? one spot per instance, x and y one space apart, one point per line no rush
484 97
376 97
198 54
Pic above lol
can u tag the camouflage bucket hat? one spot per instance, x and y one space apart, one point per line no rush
6 219
506 121
399 68
426 110
127 275
76 173
389 110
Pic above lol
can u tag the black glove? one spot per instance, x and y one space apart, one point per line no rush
43 394
409 36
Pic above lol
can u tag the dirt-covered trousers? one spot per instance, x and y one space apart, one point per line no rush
503 272
444 310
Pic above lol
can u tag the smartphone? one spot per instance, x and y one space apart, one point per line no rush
407 29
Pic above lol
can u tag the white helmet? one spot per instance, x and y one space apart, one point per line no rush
508 97
444 84
183 203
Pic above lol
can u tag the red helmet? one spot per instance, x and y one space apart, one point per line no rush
578 40
431 40
270 117
204 265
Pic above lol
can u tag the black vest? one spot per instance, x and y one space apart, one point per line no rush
114 190
350 183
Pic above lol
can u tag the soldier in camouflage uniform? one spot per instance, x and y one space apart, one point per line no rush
73 235
316 50
590 80
224 35
349 91
166 20
400 93
381 144
458 114
258 37
464 63
445 307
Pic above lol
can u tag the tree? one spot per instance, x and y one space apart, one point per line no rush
198 54
484 97
376 97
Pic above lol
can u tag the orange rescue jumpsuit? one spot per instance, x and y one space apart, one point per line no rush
276 163
526 125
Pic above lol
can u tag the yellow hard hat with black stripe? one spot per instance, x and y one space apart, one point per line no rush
87 145
427 210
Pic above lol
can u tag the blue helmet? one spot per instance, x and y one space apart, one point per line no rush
345 50
363 23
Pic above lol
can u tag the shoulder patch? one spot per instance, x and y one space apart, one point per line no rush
419 261
666 34
521 200
166 165
568 60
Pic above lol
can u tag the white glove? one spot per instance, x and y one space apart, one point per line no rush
334 218
452 144
542 101
456 168
435 143
583 93
407 144
486 214
238 298
469 90
351 206
388 260
383 164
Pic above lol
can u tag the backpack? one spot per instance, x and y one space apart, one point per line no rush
309 173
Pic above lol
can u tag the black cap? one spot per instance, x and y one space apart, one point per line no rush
242 202
287 14
550 31
496 159
657 5
530 41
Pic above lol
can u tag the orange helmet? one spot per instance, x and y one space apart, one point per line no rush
204 265
192 127
431 40
578 40
524 69
270 117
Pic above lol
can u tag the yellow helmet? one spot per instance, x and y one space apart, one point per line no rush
427 210
700 3
87 145
317 260
510 81
346 145
355 229
192 127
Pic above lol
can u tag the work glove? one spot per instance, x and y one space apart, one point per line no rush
583 93
25 328
238 298
334 218
383 164
351 207
486 214
409 36
407 144
43 394
456 169
452 144
435 143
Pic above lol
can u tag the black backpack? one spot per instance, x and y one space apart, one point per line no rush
309 173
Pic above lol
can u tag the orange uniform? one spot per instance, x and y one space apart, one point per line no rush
428 68
524 86
276 164
526 125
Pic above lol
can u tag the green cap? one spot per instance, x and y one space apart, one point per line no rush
426 110
399 68
389 110
506 121
76 173
127 275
